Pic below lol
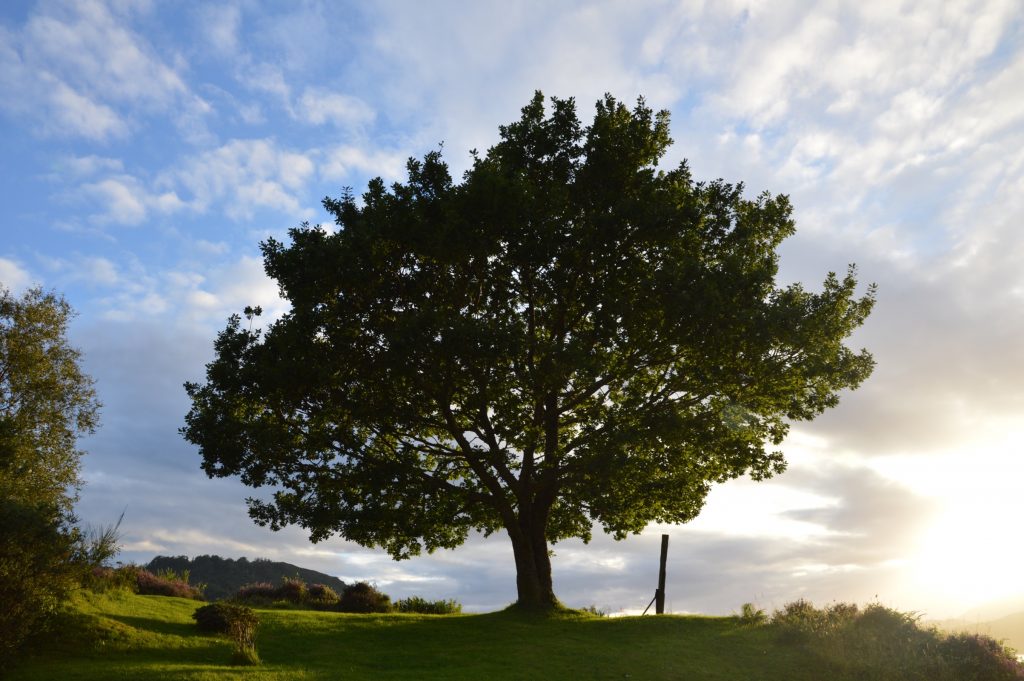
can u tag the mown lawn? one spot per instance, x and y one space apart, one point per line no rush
154 637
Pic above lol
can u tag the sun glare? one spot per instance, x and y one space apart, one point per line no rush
971 553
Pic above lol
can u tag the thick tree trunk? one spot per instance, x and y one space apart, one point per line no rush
533 566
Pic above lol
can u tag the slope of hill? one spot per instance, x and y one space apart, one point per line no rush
224 576
154 637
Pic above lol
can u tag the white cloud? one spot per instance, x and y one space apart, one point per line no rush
127 202
342 161
13 276
77 69
245 175
318 106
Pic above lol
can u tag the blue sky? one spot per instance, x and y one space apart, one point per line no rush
148 148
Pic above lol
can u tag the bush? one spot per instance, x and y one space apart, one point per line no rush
292 590
154 585
363 597
884 644
216 618
322 595
36 571
238 622
257 592
980 658
752 615
421 605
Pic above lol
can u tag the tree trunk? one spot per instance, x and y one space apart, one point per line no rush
533 565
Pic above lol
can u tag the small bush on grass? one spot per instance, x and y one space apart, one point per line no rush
216 618
363 597
421 605
238 622
242 630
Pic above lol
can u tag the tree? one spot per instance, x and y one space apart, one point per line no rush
46 403
568 337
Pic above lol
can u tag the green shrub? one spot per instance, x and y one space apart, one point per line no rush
884 644
322 596
216 618
980 658
752 615
292 590
363 597
37 572
421 605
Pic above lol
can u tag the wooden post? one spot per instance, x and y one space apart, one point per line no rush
659 604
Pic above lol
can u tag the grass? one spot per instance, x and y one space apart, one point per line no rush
125 636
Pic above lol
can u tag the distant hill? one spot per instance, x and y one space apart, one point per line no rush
224 576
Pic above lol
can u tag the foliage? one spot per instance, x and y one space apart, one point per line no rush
882 643
263 592
292 590
46 403
223 577
594 610
364 597
752 615
163 585
217 617
422 606
322 595
569 337
36 570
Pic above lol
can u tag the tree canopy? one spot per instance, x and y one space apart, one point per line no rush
570 336
46 403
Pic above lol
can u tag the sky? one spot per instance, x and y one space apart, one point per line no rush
149 147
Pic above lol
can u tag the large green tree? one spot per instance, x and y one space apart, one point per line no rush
570 336
46 403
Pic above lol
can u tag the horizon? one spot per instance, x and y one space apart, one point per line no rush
150 149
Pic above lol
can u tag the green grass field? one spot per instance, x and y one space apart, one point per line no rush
125 636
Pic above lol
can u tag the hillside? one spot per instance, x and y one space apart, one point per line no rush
224 576
153 637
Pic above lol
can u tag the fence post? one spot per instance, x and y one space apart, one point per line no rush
659 604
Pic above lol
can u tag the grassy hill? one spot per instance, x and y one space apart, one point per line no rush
224 576
153 637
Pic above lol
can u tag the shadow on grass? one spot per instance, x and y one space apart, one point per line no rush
156 626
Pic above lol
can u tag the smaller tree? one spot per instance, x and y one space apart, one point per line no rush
46 403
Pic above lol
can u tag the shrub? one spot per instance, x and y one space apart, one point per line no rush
292 590
154 585
363 597
217 617
36 573
322 595
884 644
257 592
749 614
421 605
980 658
238 622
